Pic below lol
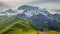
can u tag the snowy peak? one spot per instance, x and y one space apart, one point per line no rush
31 10
27 7
27 10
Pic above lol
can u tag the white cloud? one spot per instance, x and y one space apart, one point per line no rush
13 3
49 4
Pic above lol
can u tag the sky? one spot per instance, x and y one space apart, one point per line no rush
48 4
12 3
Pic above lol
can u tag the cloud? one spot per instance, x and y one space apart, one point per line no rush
16 2
3 5
44 1
49 4
12 3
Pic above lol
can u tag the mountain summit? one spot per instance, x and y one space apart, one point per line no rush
31 10
40 18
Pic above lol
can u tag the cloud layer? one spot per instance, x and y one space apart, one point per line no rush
49 4
12 3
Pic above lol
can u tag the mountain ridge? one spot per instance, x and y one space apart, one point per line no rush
37 16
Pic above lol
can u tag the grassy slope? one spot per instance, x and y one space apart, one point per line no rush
5 23
52 32
21 30
3 18
27 29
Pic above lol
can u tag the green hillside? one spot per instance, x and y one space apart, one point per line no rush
15 25
12 23
3 18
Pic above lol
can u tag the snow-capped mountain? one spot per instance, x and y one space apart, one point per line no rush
11 12
30 10
8 12
38 17
3 14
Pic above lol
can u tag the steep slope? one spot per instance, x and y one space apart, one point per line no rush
3 18
7 24
31 18
40 18
19 24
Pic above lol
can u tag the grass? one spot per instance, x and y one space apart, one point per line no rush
18 30
52 32
30 31
3 18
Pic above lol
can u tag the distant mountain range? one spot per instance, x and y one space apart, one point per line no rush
39 18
